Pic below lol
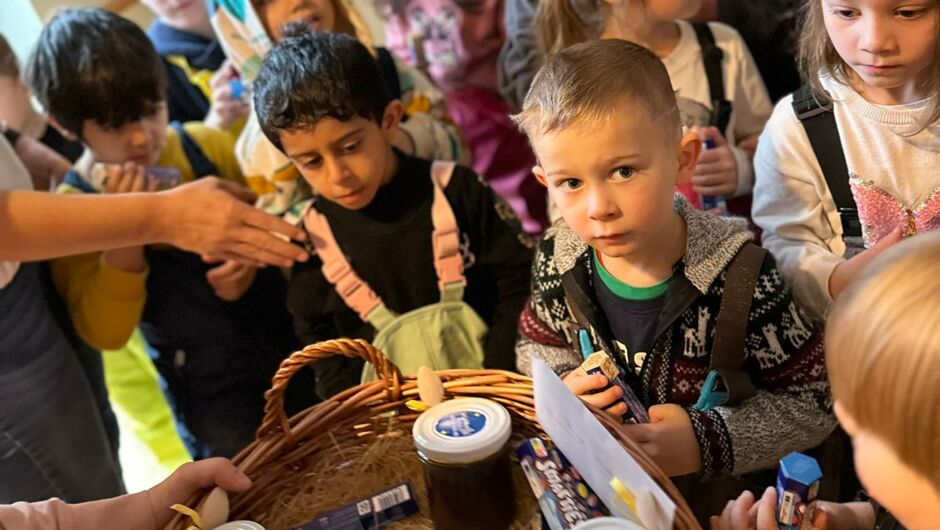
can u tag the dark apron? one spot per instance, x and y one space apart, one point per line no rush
52 442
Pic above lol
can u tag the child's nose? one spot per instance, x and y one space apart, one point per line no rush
338 172
600 205
139 138
877 36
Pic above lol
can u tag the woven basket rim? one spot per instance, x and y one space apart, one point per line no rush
281 442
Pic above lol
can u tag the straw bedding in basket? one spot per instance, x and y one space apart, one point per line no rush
359 442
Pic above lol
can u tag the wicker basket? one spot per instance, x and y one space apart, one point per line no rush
276 460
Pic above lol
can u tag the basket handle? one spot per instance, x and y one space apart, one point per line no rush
275 418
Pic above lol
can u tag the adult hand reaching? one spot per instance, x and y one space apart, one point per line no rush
212 217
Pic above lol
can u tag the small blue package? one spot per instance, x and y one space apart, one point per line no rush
368 513
798 481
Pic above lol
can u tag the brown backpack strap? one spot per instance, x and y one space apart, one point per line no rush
731 329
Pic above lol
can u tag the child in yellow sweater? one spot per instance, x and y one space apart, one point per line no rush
215 332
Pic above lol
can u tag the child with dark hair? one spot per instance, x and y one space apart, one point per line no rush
320 99
216 333
247 29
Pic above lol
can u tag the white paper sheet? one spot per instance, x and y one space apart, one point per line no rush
596 454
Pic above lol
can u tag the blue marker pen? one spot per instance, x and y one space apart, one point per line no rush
584 339
717 201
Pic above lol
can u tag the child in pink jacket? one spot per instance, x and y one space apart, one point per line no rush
457 42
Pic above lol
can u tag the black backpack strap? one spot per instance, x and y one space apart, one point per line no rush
819 121
389 72
200 163
729 347
712 57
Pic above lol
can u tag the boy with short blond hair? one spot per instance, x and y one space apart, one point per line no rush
645 274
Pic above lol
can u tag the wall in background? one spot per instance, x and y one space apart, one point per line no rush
20 25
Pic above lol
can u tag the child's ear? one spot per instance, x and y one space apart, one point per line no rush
688 149
69 135
391 119
845 419
540 175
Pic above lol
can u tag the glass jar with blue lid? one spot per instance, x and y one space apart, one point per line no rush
463 444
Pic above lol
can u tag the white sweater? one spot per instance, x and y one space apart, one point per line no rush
792 203
744 88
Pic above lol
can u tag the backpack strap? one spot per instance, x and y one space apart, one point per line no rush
819 121
445 239
200 163
728 349
355 292
712 57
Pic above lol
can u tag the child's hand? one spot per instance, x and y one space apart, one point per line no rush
191 478
669 440
231 280
225 109
716 173
744 513
45 166
847 270
848 516
582 385
128 178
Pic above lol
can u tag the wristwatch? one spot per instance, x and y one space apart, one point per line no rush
10 134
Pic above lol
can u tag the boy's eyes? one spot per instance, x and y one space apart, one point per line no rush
624 172
314 163
569 184
910 14
350 147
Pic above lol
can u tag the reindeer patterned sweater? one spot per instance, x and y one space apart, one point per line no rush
792 410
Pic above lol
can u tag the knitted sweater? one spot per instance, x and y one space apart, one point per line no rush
784 358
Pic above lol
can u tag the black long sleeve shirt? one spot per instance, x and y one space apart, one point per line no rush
388 244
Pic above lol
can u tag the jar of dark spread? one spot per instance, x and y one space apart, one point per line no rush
463 444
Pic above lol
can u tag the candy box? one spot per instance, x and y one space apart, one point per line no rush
601 363
564 497
798 481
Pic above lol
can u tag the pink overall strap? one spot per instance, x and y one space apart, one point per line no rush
448 261
351 288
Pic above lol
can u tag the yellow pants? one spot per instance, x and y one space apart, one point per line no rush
133 388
